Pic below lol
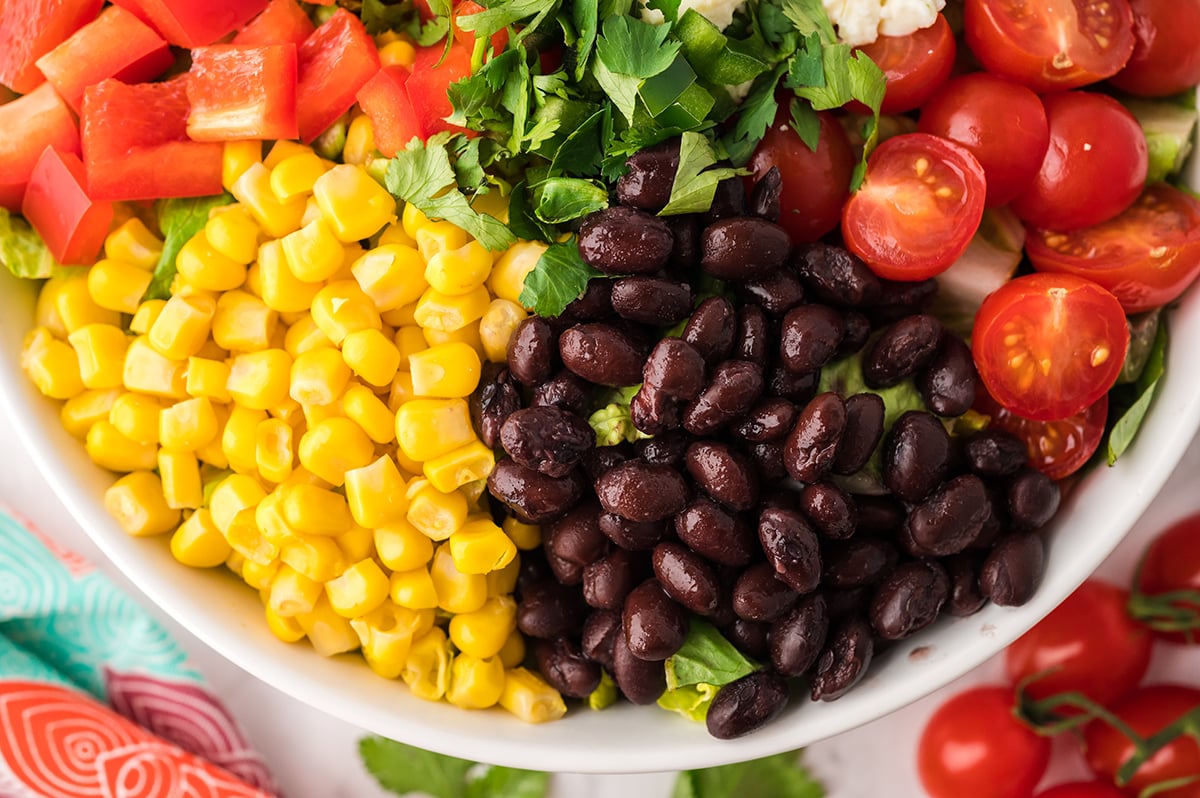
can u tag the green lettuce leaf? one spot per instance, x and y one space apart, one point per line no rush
179 219
22 250
703 664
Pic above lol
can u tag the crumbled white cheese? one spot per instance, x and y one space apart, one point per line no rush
860 22
718 12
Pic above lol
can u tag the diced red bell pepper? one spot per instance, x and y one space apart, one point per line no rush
115 44
335 62
57 204
31 28
30 124
135 143
465 8
385 102
283 22
194 23
238 92
429 81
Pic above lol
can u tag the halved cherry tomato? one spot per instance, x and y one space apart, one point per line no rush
1146 257
57 204
384 99
974 746
1094 143
1171 564
1081 789
1165 57
1056 448
431 76
1087 644
194 23
242 92
1049 345
815 183
334 63
31 28
1053 44
915 213
282 22
1002 123
465 8
1147 711
35 121
914 65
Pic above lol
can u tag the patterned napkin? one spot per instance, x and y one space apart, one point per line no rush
96 698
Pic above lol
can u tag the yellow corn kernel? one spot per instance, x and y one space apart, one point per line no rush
468 335
236 158
243 322
475 683
280 289
376 493
483 633
427 669
412 220
360 141
268 515
328 632
402 547
333 446
476 495
398 53
304 335
460 466
400 392
65 304
429 428
187 425
136 502
292 593
294 176
84 409
207 378
357 543
530 698
439 311
403 315
371 356
136 416
457 271
233 233
312 211
319 376
286 629
368 411
317 413
313 253
145 316
392 275
182 326
198 543
117 285
497 326
234 562
146 371
457 592
302 476
51 364
282 150
239 443
109 449
100 349
231 495
132 242
413 589
202 267
273 449
315 556
435 237
512 653
244 537
253 190
503 581
409 340
436 514
507 278
258 575
359 589
180 474
212 452
525 537
445 371
353 203
480 547
341 308
314 510
386 635
260 380
394 234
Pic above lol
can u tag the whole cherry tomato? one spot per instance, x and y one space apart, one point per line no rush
1082 789
914 65
1147 712
1165 57
1171 564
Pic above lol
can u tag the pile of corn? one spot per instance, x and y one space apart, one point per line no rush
297 412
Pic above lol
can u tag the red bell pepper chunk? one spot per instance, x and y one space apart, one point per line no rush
135 143
31 28
194 23
429 81
385 102
238 92
283 22
72 224
335 62
31 123
465 8
115 44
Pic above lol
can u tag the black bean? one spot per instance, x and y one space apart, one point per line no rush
640 491
809 337
764 199
625 241
600 629
608 580
965 596
947 384
950 519
794 386
548 609
743 248
996 522
649 175
667 449
654 412
752 335
768 458
565 668
651 300
641 681
858 562
812 444
685 255
733 389
632 535
576 537
546 439
493 402
565 390
602 353
845 659
724 474
686 577
759 596
769 420
532 496
594 305
752 638
534 569
896 300
798 636
598 460
746 705
791 547
655 624
900 350
916 455
532 351
834 275
856 330
994 453
776 293
714 533
1013 570
676 368
830 509
729 200
879 515
864 428
1033 499
851 601
565 571
909 599
711 329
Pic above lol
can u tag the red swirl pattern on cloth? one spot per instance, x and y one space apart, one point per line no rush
76 565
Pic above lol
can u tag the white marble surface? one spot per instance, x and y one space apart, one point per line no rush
315 756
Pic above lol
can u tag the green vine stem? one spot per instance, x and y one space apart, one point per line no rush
1174 611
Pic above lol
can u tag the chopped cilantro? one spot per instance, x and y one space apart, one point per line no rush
559 278
695 182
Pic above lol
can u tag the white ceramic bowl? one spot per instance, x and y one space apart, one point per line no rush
227 615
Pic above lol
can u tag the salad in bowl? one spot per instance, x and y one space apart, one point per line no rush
553 358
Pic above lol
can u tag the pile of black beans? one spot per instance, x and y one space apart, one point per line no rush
736 510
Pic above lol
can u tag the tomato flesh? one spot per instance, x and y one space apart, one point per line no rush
57 204
242 92
1165 57
1081 789
31 28
1147 711
282 22
917 209
1049 345
43 120
914 65
1056 448
384 99
1172 563
334 63
194 23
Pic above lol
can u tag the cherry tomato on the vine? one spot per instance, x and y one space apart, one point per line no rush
914 65
917 209
1056 448
1082 789
1166 58
1047 346
974 746
1171 564
1148 711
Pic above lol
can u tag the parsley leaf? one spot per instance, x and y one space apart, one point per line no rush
422 174
621 89
756 114
500 15
403 769
585 16
638 49
179 220
779 776
695 183
808 16
22 250
806 123
500 782
561 199
559 278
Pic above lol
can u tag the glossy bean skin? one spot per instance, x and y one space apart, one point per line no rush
710 329
600 629
532 351
858 562
765 198
743 248
864 428
651 300
768 458
546 439
676 368
653 412
639 491
548 609
769 420
759 596
492 403
728 200
602 353
532 496
844 661
609 579
896 300
600 459
723 473
667 449
901 349
655 625
1013 569
686 577
716 534
796 387
594 305
567 572
812 445
625 241
879 515
746 705
777 293
565 390
809 337
1033 499
576 537
965 595
798 637
685 255
830 509
950 519
752 336
994 453
639 680
909 599
916 456
835 276
649 175
752 638
734 387
948 382
791 547
565 668
632 535
856 329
